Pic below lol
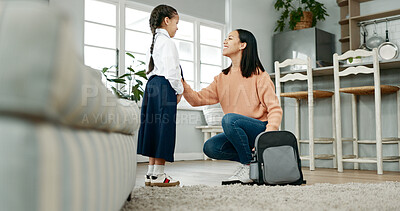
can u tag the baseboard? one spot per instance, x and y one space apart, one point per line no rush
178 157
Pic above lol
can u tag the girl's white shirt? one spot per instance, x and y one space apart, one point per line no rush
166 60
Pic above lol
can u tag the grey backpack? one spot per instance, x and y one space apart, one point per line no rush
276 160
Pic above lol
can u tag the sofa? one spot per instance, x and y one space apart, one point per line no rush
66 142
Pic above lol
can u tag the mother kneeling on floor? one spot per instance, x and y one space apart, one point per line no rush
247 97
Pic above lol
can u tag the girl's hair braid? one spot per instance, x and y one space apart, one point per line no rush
156 18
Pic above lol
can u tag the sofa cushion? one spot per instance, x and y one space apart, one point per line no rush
55 167
42 77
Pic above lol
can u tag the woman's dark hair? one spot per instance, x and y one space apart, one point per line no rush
250 63
156 18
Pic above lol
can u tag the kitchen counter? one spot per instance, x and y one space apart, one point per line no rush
322 71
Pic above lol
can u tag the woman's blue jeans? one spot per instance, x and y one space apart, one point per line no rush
237 140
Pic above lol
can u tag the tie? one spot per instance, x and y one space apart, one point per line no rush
182 73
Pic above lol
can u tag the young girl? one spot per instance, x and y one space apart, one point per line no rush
162 94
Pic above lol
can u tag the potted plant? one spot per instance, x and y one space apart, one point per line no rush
299 13
130 84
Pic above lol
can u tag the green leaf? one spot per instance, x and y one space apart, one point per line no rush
351 59
124 75
118 80
135 87
130 77
129 54
137 94
142 74
279 4
139 82
280 26
104 69
130 69
117 92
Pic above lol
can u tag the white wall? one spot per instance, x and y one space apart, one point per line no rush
258 17
331 24
213 10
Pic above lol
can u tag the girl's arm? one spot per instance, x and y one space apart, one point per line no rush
171 64
206 96
178 98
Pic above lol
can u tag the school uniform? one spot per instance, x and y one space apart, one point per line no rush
157 131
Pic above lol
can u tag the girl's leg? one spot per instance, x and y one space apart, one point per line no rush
242 131
159 165
150 170
156 166
152 161
159 161
159 177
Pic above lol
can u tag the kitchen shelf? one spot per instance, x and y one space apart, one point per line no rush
345 39
344 22
370 17
376 15
349 22
343 3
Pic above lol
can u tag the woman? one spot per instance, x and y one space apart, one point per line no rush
247 97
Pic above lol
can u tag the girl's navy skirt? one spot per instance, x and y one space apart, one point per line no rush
158 120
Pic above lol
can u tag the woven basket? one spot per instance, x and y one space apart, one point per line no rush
305 21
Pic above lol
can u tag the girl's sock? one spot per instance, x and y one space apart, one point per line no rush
150 170
158 169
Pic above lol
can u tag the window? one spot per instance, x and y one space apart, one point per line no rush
199 42
184 40
137 37
210 54
100 40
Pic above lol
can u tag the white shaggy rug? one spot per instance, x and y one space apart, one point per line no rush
350 196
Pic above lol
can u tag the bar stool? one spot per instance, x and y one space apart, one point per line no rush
309 95
375 90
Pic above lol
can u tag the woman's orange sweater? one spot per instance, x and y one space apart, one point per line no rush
252 97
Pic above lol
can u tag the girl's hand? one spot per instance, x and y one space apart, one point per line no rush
178 98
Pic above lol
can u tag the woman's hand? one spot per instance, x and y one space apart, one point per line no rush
178 98
270 129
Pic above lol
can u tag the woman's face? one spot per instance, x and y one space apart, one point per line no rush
171 25
232 44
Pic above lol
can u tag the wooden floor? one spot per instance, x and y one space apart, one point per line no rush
212 172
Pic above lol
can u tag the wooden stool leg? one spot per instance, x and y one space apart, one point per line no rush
297 124
311 134
378 127
334 143
398 121
338 120
355 128
297 116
